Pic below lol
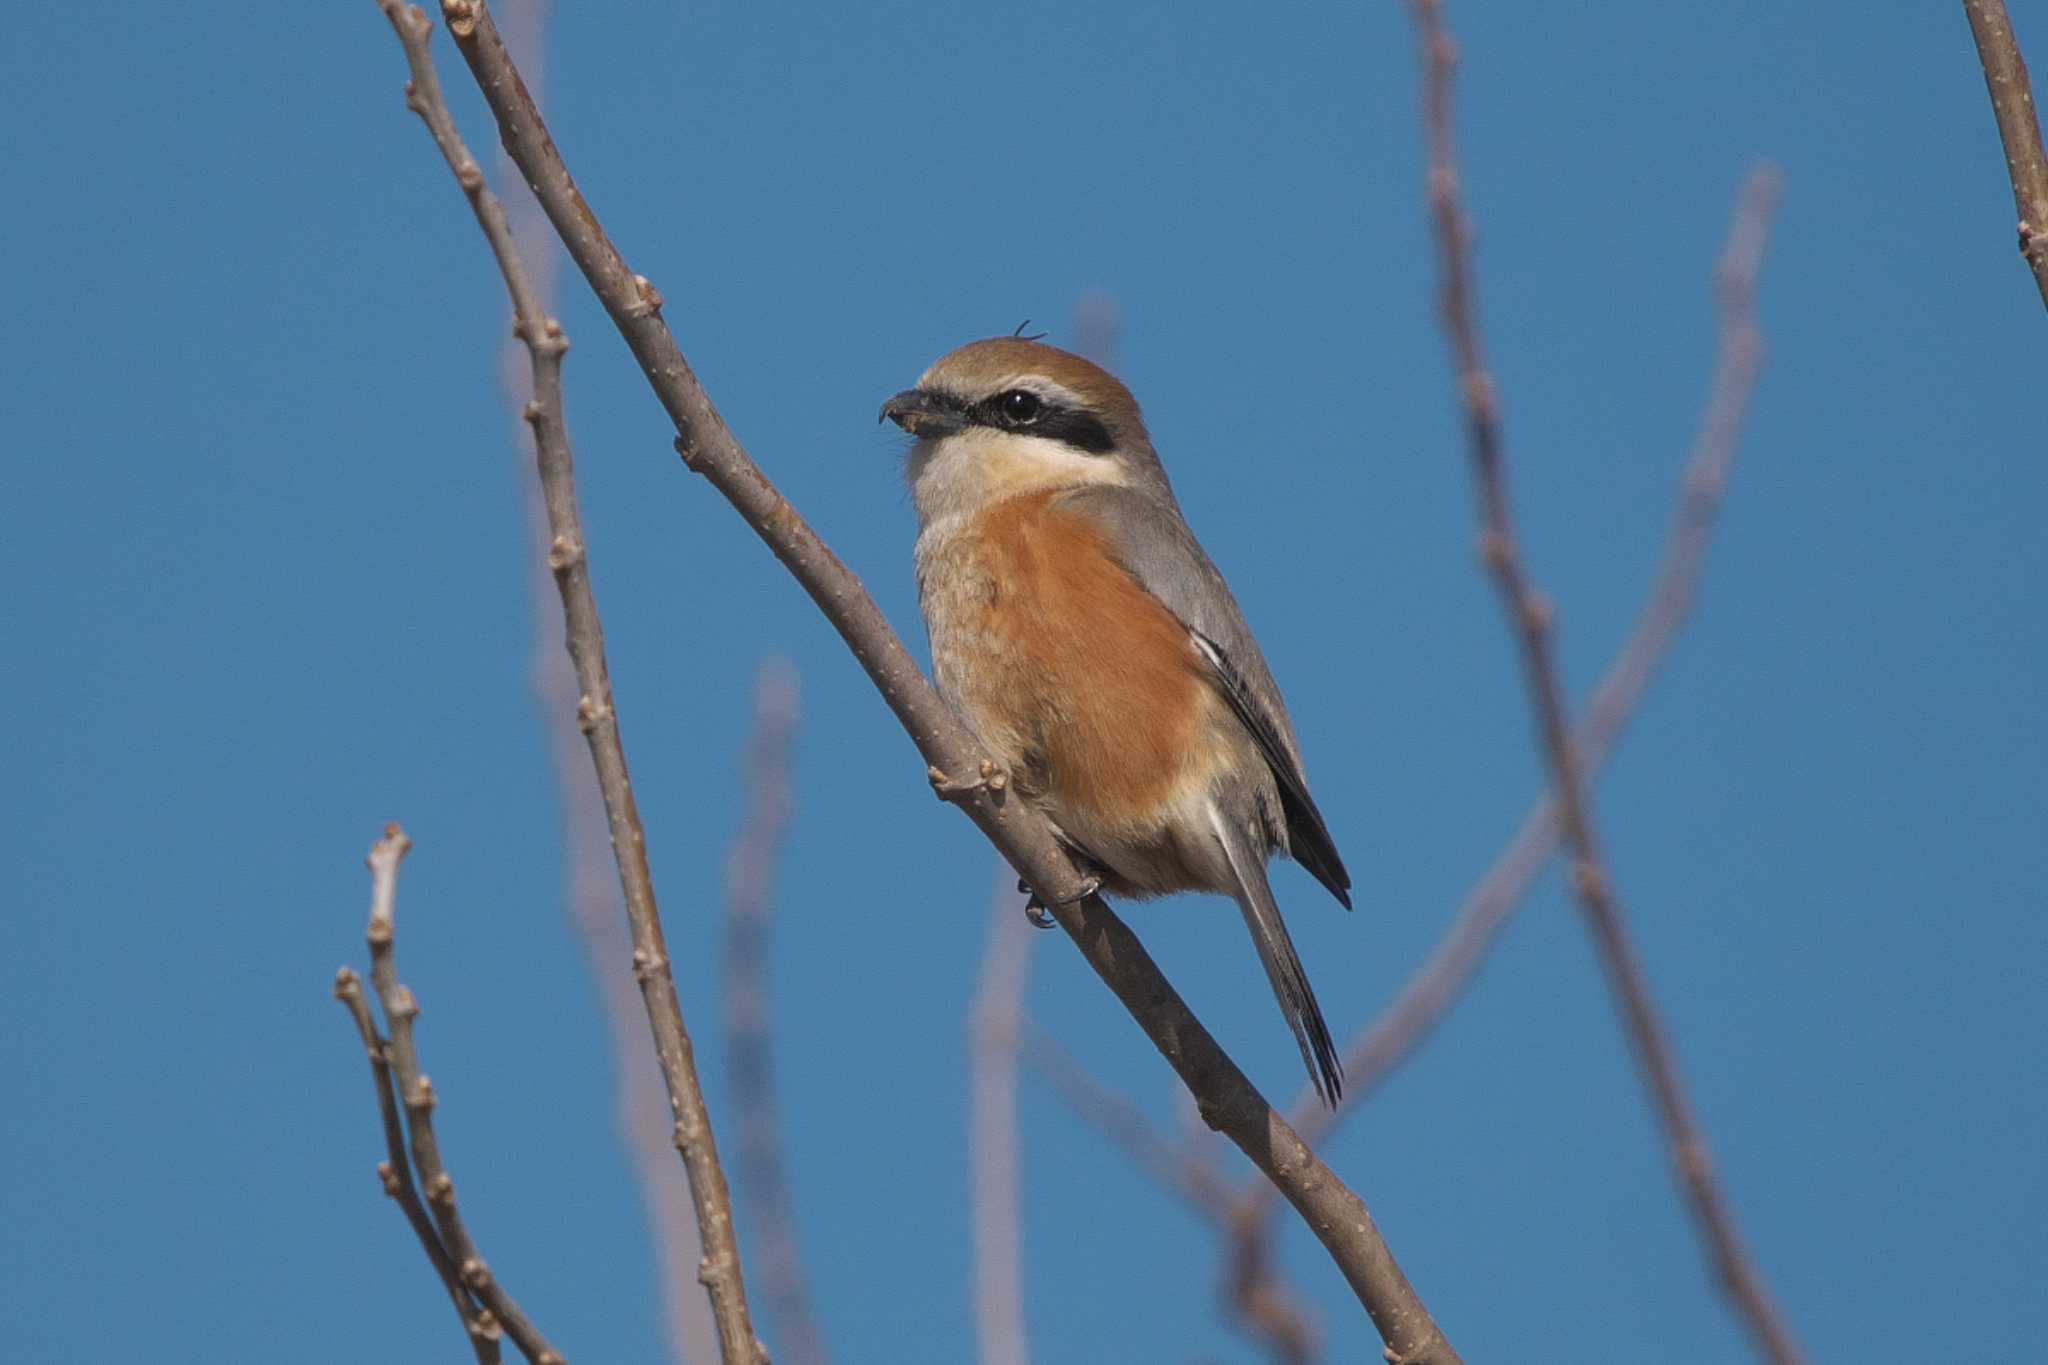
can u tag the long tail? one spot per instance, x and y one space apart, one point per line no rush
1283 965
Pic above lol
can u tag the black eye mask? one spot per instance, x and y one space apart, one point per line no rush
1022 411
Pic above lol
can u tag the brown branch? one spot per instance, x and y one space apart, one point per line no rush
996 1169
1531 617
2019 128
1228 1100
750 919
720 1270
642 1107
457 1249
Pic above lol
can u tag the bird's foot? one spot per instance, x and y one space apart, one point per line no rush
1035 909
993 778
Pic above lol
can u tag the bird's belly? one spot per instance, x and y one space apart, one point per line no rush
1079 682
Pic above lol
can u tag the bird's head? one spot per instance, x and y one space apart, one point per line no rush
1007 416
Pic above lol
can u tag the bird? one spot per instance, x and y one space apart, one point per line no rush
1084 636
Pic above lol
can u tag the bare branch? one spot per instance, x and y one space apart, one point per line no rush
720 1269
750 919
1228 1100
2019 128
1532 619
457 1249
591 878
992 1152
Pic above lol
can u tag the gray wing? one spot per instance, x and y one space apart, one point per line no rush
1155 546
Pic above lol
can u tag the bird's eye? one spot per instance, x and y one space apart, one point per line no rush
1020 406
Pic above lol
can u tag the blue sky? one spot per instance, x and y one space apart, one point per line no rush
270 571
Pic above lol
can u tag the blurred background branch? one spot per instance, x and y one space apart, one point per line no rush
994 1154
761 1156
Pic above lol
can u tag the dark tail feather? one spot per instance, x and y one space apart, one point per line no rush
1283 966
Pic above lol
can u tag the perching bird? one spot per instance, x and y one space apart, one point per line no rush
1083 635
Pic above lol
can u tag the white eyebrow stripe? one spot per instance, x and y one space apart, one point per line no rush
1050 390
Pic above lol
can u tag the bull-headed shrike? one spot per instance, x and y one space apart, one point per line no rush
1095 652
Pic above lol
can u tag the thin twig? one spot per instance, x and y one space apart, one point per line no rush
996 1168
1531 617
720 1270
592 880
642 1107
2019 128
416 1092
394 1173
1228 1100
750 919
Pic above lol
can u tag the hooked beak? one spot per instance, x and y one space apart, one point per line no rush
924 415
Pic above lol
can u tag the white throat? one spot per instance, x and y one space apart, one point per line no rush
959 475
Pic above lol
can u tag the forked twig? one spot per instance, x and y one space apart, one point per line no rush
447 1241
394 1173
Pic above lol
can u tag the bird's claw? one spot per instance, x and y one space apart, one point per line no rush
1035 909
992 778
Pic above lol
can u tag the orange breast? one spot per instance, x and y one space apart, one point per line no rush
1102 680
